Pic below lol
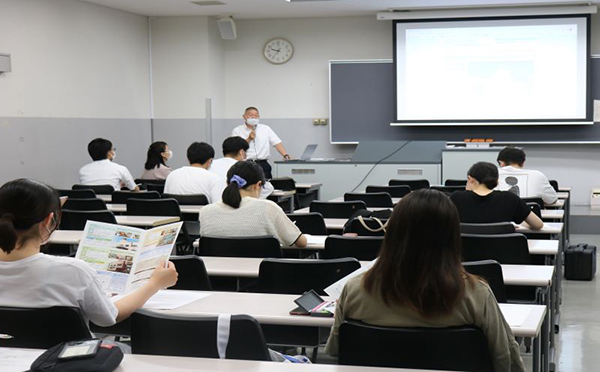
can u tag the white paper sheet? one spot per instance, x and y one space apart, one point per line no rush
335 290
315 239
17 360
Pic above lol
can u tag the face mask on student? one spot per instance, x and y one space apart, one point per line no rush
114 156
253 122
169 154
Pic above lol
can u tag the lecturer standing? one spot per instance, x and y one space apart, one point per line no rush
260 137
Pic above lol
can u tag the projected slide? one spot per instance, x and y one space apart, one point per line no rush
500 70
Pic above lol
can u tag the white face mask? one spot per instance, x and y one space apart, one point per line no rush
169 154
114 156
253 122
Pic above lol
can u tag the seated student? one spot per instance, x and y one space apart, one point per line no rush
29 213
527 183
423 241
234 150
195 178
156 167
481 204
103 171
241 213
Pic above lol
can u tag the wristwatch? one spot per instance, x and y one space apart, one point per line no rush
287 156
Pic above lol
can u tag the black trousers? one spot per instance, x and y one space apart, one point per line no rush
266 168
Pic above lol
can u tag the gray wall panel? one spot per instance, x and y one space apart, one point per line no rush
53 149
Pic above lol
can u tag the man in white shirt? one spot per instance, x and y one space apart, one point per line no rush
103 170
234 150
527 183
261 138
195 178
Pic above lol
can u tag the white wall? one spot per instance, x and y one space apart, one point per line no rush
73 59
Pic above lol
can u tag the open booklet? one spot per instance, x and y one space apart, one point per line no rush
335 290
124 257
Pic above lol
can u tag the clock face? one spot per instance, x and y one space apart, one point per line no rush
278 51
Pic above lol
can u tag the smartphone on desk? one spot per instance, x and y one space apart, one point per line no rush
310 303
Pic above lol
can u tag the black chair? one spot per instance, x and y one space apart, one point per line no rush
121 197
491 271
98 189
487 228
536 209
505 248
78 194
192 273
394 191
378 199
76 220
337 209
448 190
94 204
194 199
163 207
161 334
538 201
285 276
451 182
463 348
41 328
283 183
363 248
85 204
255 246
414 184
309 223
554 184
374 226
159 188
143 182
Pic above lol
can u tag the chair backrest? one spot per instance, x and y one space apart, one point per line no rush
414 184
286 276
158 187
539 201
451 182
448 190
491 271
506 248
363 248
536 209
41 328
487 228
554 185
162 334
192 199
121 197
251 246
78 194
98 189
75 220
399 191
309 223
192 273
376 199
355 226
283 183
153 207
461 348
94 204
144 182
337 209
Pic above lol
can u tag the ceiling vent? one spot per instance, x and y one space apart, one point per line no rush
208 3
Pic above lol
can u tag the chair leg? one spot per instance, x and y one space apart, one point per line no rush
314 354
527 342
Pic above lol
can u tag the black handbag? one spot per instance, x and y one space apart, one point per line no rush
107 359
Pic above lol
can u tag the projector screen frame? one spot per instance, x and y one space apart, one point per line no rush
501 122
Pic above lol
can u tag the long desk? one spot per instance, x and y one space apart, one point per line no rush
122 208
155 363
145 221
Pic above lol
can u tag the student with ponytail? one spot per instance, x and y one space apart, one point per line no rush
481 204
242 213
29 213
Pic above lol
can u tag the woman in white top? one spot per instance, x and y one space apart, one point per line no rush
242 213
29 212
156 167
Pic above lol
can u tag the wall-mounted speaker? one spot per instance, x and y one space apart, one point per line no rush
227 28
